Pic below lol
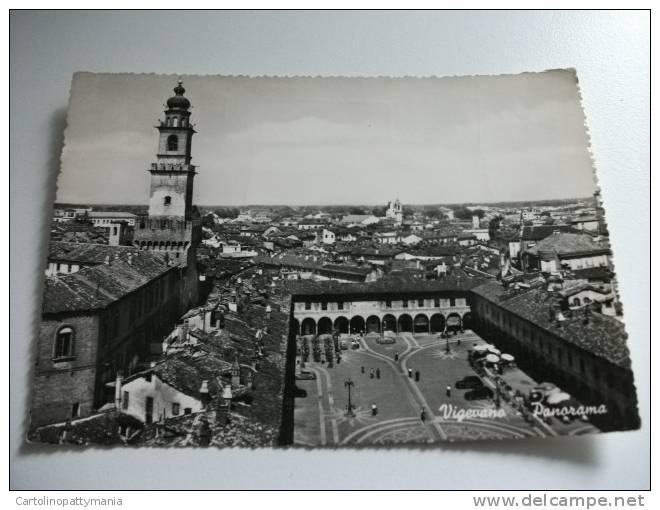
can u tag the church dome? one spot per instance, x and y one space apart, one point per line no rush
178 101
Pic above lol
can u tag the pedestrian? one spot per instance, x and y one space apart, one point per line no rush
362 369
422 415
396 356
417 375
378 373
448 391
374 410
371 373
410 373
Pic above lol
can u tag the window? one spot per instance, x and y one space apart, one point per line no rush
64 343
124 401
388 304
452 301
187 410
324 306
167 200
308 305
405 303
176 408
420 303
172 143
576 302
340 305
75 410
436 302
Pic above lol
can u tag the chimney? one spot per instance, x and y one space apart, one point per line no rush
204 394
130 259
106 261
118 393
223 405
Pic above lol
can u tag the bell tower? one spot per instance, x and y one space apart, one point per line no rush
173 225
172 174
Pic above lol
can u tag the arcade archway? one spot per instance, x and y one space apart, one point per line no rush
421 323
389 323
373 324
454 322
341 324
405 323
467 321
324 326
308 326
437 323
357 324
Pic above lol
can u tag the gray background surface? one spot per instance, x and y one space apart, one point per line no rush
611 54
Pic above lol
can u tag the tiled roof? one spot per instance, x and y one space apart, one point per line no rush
580 219
86 253
96 287
185 371
391 285
593 273
602 335
538 232
567 244
110 214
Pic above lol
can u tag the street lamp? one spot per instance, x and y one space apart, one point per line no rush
447 344
349 408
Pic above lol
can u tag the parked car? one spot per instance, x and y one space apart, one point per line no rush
304 375
479 394
469 382
343 345
355 344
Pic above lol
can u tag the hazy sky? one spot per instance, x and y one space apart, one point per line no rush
335 140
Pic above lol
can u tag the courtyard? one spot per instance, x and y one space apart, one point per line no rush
411 382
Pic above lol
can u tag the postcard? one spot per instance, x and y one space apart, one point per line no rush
334 262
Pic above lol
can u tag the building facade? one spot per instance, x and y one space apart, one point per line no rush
96 322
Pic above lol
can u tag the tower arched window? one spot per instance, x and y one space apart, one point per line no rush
176 121
167 200
172 143
64 343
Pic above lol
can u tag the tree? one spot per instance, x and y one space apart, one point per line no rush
227 212
494 226
207 221
356 210
379 210
463 213
434 212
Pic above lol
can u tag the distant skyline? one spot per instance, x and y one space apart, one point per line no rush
335 141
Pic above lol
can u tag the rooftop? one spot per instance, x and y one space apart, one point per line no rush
457 281
601 335
567 244
94 288
87 253
538 232
110 214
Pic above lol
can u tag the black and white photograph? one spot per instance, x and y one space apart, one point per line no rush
328 262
